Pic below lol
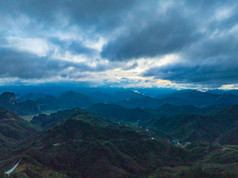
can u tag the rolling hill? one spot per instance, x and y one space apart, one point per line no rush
85 146
13 129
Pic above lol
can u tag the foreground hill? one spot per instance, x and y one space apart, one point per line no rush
85 146
77 143
189 128
13 129
43 121
185 123
220 127
230 137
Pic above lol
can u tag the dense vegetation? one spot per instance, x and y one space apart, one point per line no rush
109 140
13 129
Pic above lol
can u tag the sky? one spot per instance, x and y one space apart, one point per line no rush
120 43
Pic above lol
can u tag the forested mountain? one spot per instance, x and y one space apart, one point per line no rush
40 103
109 140
13 129
86 146
10 102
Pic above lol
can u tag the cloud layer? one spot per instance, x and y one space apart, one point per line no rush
120 43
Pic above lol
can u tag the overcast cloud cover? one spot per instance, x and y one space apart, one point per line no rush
128 43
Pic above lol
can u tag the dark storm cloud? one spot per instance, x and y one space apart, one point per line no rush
29 66
24 65
158 38
202 33
208 75
99 14
182 25
210 61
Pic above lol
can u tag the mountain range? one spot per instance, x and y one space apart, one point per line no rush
88 137
38 103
